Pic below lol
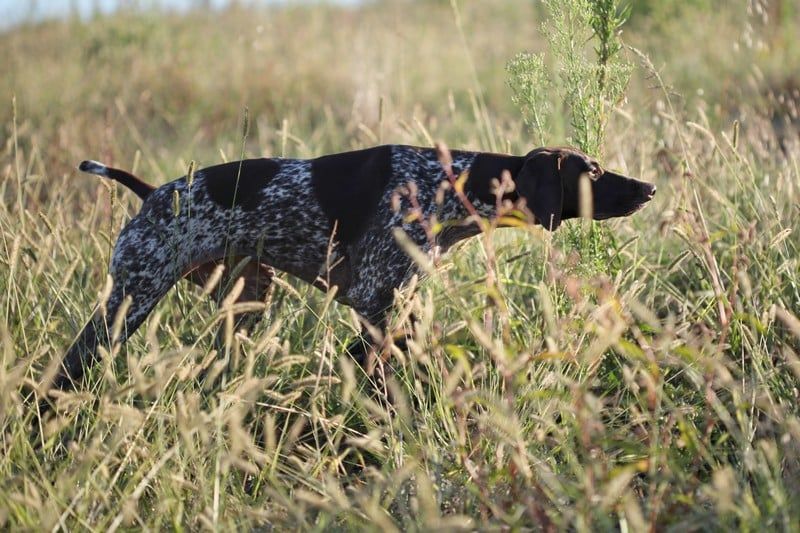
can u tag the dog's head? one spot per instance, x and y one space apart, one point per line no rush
562 183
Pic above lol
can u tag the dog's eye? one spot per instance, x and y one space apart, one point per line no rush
595 173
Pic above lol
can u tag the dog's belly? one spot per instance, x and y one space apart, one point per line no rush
301 251
285 228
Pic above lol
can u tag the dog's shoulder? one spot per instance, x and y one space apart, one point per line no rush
487 167
349 187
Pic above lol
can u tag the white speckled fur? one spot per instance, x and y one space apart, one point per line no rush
287 230
286 213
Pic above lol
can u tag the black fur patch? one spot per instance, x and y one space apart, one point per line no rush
255 174
349 187
487 167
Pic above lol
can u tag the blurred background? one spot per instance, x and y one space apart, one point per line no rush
171 78
15 12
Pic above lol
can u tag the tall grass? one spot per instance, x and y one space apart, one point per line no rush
657 389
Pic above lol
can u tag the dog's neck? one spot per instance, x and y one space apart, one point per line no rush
475 179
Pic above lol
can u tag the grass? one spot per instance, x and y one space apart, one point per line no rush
645 379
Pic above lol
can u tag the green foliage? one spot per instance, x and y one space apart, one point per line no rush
530 83
587 87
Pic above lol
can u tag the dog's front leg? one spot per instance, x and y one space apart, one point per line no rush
381 268
374 313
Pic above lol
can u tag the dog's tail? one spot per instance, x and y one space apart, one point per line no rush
138 186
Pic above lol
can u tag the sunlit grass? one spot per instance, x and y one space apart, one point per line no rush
647 382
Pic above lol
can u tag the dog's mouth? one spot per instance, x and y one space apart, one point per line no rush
648 193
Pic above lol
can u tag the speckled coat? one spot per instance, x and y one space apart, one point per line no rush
329 221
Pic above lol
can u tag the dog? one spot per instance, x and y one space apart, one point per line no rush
332 222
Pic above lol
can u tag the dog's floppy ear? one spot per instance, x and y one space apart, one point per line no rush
539 182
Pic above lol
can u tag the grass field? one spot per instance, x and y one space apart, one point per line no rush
637 374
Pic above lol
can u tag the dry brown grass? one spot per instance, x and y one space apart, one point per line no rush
643 378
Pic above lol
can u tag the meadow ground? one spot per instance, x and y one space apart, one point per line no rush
638 374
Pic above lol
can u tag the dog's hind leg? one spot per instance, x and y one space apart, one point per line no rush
144 270
144 266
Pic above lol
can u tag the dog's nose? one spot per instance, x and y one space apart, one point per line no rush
652 192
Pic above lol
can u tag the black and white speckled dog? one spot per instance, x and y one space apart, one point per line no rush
329 221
